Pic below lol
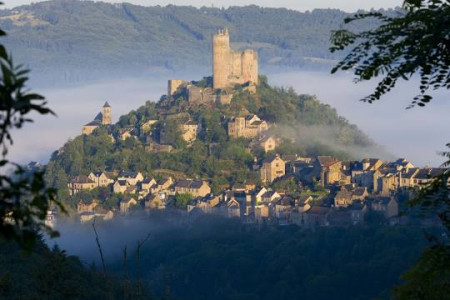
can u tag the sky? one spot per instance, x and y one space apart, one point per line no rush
301 5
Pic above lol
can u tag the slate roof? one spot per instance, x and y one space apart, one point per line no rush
326 161
359 191
106 104
81 179
318 210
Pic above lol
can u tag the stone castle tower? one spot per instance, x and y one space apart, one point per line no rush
106 114
232 67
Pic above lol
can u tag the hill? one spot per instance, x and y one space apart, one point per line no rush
82 40
302 125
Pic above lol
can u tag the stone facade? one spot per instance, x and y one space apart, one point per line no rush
249 127
174 85
189 131
102 118
272 168
232 67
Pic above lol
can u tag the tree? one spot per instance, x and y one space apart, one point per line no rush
24 197
417 42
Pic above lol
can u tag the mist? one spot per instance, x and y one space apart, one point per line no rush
417 134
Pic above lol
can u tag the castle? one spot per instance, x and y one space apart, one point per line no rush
229 68
103 118
232 67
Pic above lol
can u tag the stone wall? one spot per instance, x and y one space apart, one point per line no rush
232 67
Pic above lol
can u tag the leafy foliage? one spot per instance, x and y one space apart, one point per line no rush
50 274
24 196
415 42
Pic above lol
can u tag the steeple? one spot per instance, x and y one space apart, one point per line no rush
106 114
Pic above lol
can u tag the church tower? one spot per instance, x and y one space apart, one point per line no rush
106 114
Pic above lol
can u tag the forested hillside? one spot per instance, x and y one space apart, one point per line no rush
71 39
304 125
215 258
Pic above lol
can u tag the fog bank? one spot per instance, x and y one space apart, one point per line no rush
416 134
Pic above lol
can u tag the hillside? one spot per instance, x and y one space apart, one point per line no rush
81 40
301 124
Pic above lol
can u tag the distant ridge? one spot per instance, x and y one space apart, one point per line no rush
79 40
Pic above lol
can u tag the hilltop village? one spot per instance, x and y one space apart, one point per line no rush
278 186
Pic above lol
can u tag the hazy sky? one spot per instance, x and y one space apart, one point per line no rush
302 5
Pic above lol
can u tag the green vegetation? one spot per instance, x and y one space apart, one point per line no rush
216 258
24 196
50 274
213 156
416 43
76 40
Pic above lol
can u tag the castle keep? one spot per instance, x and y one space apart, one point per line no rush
229 68
232 67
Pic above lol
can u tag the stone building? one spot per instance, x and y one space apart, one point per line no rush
330 170
80 183
232 67
189 131
197 188
103 118
272 168
249 127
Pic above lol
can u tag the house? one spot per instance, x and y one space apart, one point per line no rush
343 198
165 184
269 197
197 188
406 177
148 185
387 183
233 208
266 143
283 207
262 212
357 211
359 193
425 176
155 201
371 164
86 207
120 186
273 167
126 204
80 183
189 131
125 133
388 206
329 170
147 125
100 178
318 216
248 127
132 178
303 203
257 195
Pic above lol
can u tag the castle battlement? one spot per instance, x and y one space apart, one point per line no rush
232 67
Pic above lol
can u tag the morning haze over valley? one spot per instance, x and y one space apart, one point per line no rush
210 150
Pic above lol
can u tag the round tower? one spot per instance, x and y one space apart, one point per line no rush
106 114
221 59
